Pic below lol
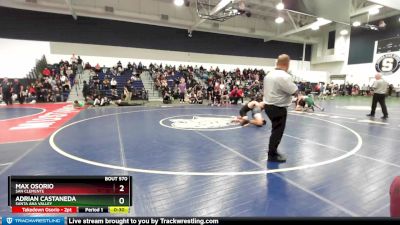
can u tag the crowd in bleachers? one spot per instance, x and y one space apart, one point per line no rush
53 85
114 83
227 87
347 89
197 83
186 83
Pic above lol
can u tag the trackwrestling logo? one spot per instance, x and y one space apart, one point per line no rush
200 122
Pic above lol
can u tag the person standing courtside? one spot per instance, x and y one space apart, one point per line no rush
278 90
380 88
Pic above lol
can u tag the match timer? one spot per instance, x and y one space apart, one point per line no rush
70 194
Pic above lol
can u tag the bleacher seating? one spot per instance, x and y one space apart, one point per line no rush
122 79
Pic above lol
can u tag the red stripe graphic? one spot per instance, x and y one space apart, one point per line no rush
38 126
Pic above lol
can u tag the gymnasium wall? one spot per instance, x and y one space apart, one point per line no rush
31 25
362 41
358 64
20 56
104 54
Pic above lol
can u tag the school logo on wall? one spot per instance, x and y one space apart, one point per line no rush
200 122
388 64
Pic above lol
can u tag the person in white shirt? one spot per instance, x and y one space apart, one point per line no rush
278 90
74 59
380 89
113 83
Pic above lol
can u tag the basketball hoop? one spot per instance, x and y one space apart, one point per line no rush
205 7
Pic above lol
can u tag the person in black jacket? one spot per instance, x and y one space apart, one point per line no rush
6 88
85 90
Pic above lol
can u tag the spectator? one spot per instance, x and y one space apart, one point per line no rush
22 94
66 86
85 90
97 68
200 96
113 86
397 89
128 91
192 98
234 95
101 101
130 67
74 59
104 69
182 90
166 97
46 72
225 98
32 91
70 75
240 94
88 66
390 91
6 91
106 84
363 90
16 89
79 60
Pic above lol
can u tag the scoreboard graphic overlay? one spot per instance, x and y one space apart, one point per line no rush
70 194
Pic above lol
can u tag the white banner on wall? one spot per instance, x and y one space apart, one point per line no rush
387 59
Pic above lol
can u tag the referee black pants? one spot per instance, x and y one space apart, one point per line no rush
381 99
278 116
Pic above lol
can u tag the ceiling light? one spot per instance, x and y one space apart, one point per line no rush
280 6
321 22
179 2
279 20
399 19
373 11
356 23
314 27
322 19
344 32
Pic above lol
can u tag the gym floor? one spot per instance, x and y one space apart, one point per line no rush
188 160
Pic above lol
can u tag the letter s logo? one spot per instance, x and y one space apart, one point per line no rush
387 65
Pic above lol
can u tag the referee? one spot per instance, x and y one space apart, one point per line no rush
278 91
380 88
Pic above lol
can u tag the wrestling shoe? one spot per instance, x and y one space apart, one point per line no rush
370 115
384 117
277 158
